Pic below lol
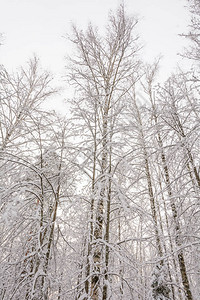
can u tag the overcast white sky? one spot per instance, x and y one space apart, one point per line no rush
38 26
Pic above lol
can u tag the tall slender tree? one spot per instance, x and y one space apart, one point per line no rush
100 74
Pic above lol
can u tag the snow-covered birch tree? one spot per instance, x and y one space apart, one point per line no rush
100 73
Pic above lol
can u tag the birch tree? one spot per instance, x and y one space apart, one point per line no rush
100 73
37 188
